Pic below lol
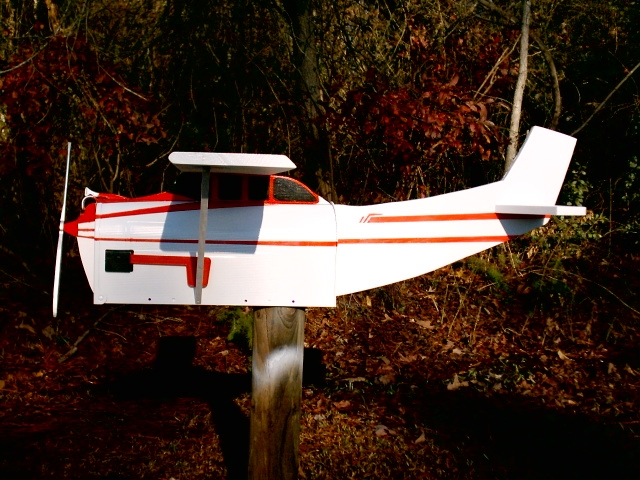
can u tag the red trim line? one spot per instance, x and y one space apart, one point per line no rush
156 197
500 239
451 217
189 262
371 218
277 243
180 207
191 205
497 238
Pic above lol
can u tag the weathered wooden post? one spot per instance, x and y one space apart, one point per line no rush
278 350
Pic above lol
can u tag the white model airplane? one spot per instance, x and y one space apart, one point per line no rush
242 235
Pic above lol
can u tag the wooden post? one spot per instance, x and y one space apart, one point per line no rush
278 351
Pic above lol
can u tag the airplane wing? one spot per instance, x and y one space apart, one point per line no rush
247 163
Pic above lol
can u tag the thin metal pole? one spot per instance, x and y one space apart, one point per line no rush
202 236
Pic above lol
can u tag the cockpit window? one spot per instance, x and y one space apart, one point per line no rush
247 188
230 187
286 190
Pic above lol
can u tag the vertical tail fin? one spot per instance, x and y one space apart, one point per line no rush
535 179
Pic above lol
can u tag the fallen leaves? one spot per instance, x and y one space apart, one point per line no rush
386 379
456 383
424 324
342 405
383 431
408 358
49 332
24 326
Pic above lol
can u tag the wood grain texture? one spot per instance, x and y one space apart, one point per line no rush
278 350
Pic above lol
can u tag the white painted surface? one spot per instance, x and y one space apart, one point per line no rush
255 257
539 169
564 210
246 163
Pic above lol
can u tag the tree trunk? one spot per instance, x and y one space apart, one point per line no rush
514 130
278 351
553 71
317 148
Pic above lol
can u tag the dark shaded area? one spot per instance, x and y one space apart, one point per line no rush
511 438
314 371
175 376
499 437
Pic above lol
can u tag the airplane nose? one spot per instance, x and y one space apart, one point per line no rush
71 228
88 215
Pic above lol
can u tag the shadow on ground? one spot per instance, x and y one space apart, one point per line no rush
175 376
502 437
135 405
498 437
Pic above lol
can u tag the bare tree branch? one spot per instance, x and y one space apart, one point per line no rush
546 52
514 129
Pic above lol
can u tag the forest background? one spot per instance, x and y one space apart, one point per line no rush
374 101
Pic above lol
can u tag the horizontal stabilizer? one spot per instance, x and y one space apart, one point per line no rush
243 163
542 210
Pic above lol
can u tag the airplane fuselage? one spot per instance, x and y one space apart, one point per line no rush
267 240
278 252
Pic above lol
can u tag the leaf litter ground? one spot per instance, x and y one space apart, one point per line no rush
461 373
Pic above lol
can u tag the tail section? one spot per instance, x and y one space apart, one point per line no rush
533 183
386 243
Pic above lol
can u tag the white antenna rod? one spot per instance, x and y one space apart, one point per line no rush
56 277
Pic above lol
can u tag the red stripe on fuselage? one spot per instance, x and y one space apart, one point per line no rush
277 243
500 238
451 217
190 206
371 218
345 241
175 207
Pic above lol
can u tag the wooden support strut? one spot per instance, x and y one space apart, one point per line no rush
202 235
278 352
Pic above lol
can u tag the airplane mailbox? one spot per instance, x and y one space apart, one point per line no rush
234 232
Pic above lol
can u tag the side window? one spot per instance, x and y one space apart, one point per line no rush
258 188
187 184
229 187
286 190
